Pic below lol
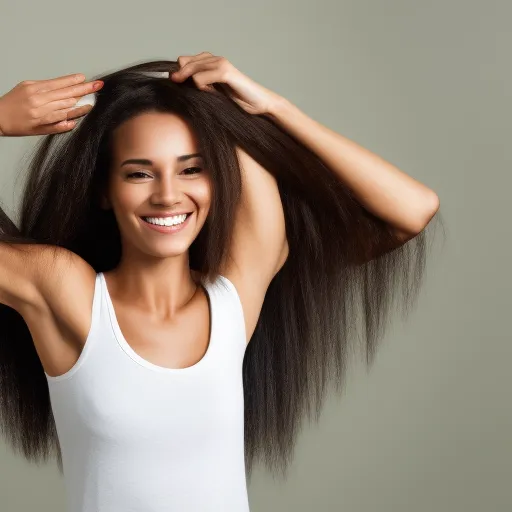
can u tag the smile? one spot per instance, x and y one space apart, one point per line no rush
167 229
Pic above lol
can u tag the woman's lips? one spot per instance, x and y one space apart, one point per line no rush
167 229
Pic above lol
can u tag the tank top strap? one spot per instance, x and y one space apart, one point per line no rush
97 303
229 307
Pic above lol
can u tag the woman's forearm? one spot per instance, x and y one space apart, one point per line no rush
381 188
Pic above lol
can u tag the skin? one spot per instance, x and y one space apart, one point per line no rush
154 274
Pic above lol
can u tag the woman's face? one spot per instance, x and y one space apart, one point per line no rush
166 180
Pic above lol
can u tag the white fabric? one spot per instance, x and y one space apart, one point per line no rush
137 437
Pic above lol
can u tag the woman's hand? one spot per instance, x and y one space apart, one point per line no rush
40 107
207 69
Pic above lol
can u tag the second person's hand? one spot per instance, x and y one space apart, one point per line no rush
41 107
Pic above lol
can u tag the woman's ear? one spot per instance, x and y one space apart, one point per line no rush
104 202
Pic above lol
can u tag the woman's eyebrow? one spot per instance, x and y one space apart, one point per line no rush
145 161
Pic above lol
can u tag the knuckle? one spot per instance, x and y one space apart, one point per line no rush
32 102
32 87
32 112
29 89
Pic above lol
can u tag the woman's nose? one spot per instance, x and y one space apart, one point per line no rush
167 190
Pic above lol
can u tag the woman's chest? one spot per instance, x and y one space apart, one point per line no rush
179 343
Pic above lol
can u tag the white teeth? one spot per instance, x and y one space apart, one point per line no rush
166 221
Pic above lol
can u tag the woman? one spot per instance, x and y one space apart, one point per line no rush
150 360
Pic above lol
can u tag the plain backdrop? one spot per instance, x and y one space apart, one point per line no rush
426 85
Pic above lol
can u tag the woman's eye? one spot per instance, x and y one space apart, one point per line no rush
144 175
193 169
133 174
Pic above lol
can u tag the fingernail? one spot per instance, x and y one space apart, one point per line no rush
98 85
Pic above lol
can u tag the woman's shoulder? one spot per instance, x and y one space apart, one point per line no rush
61 320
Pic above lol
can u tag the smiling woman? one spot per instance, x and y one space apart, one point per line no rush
219 328
151 176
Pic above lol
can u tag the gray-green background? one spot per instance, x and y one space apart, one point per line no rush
426 85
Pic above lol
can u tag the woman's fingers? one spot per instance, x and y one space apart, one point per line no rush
55 116
46 111
79 111
53 106
57 98
194 65
57 83
62 126
73 91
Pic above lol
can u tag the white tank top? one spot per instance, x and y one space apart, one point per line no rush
137 437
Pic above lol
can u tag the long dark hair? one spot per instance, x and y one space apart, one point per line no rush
344 264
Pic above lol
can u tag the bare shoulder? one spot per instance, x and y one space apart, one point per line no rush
62 275
59 320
